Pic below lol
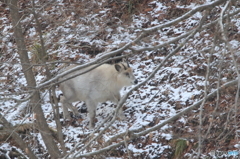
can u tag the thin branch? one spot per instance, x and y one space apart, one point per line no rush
204 100
225 38
158 126
173 40
124 98
18 100
186 15
128 45
98 62
205 95
218 93
143 49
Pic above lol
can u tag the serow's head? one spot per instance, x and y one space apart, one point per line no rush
125 74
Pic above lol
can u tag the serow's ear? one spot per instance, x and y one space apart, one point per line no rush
118 67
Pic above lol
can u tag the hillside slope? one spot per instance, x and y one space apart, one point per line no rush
83 31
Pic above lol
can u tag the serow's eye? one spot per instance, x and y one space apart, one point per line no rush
127 74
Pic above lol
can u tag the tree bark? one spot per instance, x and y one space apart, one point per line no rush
52 94
26 66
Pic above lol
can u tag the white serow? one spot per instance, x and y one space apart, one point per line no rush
96 86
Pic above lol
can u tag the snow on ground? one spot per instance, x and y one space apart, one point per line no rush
172 89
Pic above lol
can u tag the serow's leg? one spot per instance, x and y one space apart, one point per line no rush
65 104
121 114
91 106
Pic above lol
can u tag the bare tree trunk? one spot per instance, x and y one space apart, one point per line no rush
52 94
35 100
